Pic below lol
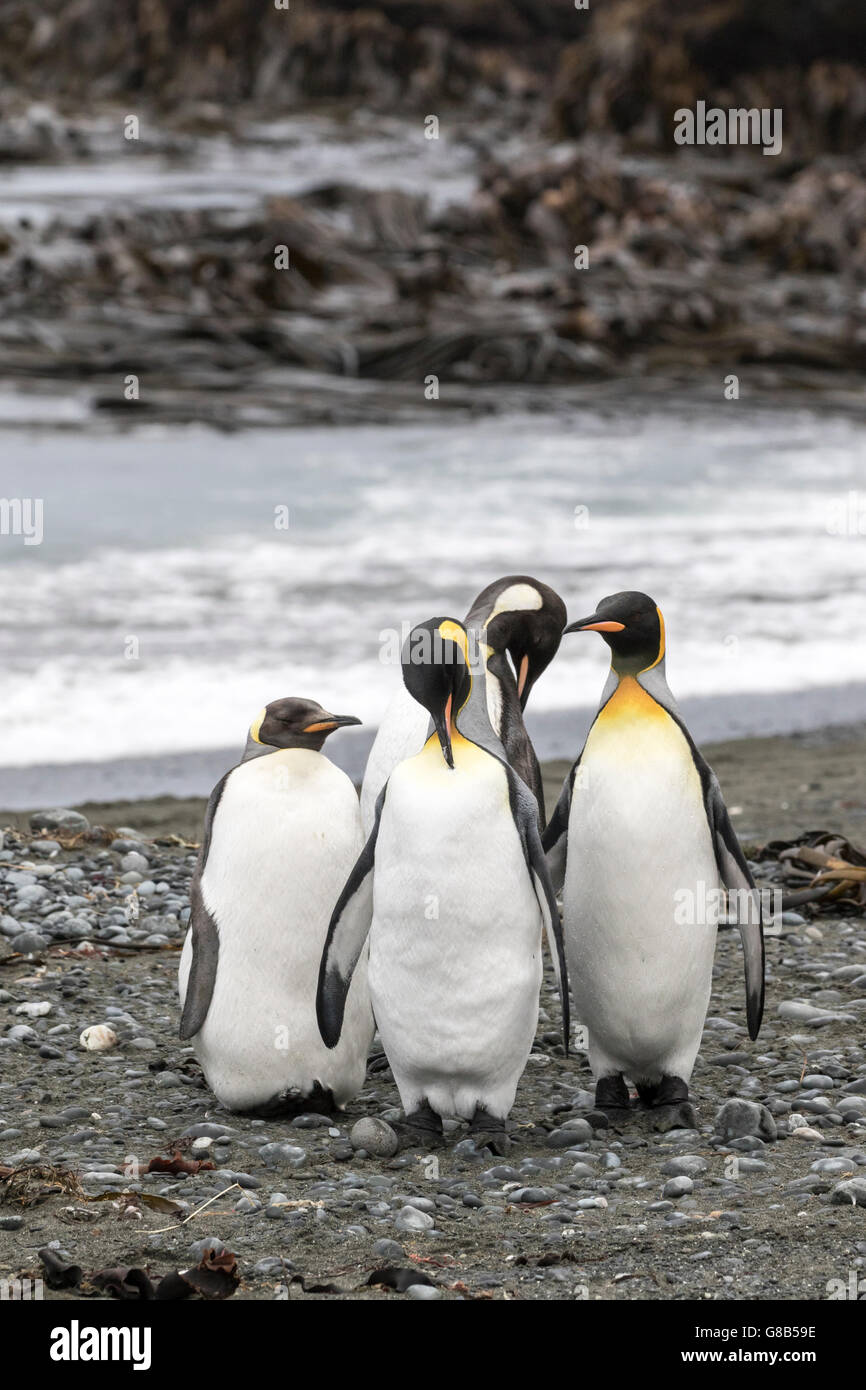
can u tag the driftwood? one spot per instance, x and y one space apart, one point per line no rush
834 868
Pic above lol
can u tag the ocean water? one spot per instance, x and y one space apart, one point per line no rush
166 603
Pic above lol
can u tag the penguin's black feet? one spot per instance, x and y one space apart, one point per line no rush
292 1101
488 1132
612 1103
669 1103
422 1129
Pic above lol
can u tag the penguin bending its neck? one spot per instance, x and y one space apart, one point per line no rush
521 622
640 832
282 832
453 891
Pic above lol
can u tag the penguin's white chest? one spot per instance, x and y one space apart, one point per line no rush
455 944
285 837
638 845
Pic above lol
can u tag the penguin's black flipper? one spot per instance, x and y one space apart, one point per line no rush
348 930
733 870
736 877
523 807
205 936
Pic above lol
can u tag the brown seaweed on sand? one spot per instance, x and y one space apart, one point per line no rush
830 867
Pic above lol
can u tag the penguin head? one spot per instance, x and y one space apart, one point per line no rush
525 618
632 626
435 661
296 723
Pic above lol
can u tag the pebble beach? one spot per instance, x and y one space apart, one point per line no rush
132 1165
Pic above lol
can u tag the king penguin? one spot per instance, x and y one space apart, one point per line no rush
453 890
639 833
281 833
521 621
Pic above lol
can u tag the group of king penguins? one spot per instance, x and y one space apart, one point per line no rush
421 911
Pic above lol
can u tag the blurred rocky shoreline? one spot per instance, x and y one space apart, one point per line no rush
330 288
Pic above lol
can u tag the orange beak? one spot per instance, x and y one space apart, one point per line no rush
334 721
595 627
522 674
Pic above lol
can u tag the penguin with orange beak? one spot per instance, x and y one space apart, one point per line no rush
639 835
281 833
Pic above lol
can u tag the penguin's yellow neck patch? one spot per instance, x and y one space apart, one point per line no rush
462 749
255 727
661 640
628 703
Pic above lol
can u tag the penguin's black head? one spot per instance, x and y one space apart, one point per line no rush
435 661
632 626
525 618
296 723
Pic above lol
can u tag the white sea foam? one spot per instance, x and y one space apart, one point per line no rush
168 537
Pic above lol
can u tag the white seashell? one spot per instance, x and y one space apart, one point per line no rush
98 1038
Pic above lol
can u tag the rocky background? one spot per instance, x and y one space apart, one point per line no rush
700 260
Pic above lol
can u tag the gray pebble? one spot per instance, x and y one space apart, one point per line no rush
739 1118
283 1153
411 1219
375 1136
687 1165
22 1033
532 1194
675 1188
59 819
850 1193
134 861
27 943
